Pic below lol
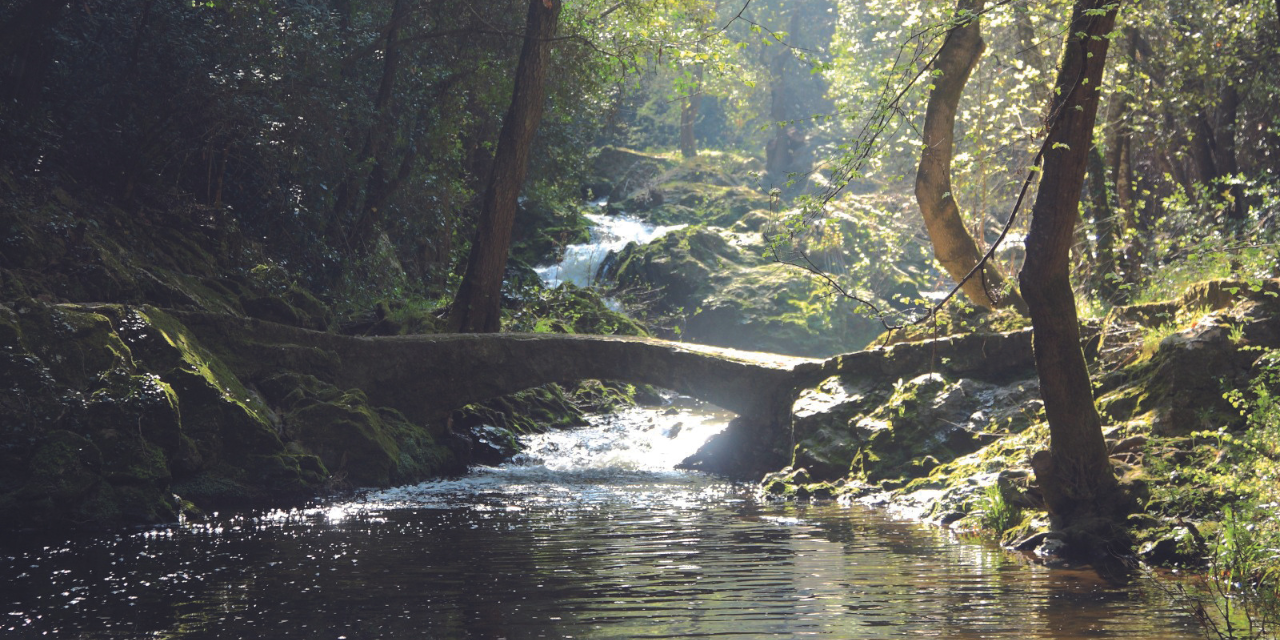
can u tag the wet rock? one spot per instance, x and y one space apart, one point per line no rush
825 441
492 445
366 445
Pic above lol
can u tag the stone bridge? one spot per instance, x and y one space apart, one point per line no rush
428 376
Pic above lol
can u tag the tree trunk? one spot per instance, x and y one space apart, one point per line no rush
1229 114
476 308
1203 150
1127 260
1080 490
779 151
349 191
689 116
1120 144
954 248
1105 278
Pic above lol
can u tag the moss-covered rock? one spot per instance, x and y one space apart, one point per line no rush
570 309
359 443
713 289
143 407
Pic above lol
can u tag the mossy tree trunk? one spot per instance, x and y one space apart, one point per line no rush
953 246
1080 489
476 308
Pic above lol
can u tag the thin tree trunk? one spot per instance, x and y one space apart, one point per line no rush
350 192
1229 114
954 248
1120 143
1080 489
476 308
378 138
1119 170
689 116
1204 149
778 151
1105 279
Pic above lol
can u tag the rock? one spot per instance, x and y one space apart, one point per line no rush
716 293
126 408
272 309
1171 392
821 416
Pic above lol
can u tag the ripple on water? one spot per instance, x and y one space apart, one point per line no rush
603 547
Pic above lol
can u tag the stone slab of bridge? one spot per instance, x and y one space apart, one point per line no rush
428 376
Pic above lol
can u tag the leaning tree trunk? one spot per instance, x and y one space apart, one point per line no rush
1080 489
954 248
476 307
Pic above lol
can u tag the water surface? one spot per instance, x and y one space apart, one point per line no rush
589 535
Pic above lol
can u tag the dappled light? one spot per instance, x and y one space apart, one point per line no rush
407 318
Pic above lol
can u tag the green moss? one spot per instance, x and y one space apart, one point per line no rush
212 387
79 346
128 459
957 318
533 410
362 444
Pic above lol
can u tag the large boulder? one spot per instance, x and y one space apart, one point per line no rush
113 414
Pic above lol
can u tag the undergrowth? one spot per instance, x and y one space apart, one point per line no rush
1226 482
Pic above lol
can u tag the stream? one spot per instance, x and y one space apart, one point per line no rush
609 233
588 533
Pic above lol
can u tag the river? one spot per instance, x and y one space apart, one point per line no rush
589 534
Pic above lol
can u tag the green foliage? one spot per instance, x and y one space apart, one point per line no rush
1185 318
1213 472
997 514
1182 249
1238 597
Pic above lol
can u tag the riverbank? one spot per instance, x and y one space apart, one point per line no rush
117 413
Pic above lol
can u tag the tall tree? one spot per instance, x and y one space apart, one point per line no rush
1080 489
689 116
953 246
476 308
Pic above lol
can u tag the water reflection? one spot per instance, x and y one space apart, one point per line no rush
609 546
